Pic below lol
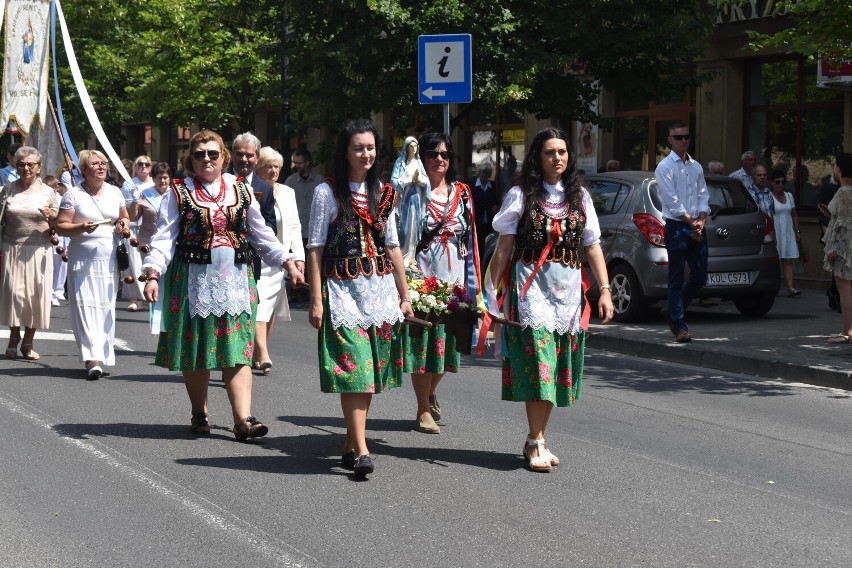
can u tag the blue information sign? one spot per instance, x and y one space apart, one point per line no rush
444 69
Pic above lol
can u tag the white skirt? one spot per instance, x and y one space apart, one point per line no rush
272 294
92 286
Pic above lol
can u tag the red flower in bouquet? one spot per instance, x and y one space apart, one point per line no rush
430 284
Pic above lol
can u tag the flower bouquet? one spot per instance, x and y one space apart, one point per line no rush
445 303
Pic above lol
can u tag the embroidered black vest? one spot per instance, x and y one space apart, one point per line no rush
354 246
196 234
534 232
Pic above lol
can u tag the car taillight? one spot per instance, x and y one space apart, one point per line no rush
768 229
651 228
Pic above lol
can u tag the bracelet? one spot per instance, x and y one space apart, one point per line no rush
603 287
152 279
402 301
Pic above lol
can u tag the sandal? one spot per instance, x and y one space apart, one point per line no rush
200 425
29 354
265 366
249 427
839 339
541 462
133 307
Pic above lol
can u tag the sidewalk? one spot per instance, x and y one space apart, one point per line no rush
788 343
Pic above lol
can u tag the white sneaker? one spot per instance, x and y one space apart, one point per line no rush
54 302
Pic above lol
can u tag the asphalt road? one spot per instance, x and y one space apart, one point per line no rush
662 465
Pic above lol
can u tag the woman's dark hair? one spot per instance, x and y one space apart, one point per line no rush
778 174
531 177
431 141
844 162
161 168
340 166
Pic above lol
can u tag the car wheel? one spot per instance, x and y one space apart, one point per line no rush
627 297
755 305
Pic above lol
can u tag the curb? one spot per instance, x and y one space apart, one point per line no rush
722 361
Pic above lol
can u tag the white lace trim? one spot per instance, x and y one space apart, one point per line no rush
553 300
219 287
363 301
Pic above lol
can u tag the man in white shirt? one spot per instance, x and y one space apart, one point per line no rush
747 162
686 205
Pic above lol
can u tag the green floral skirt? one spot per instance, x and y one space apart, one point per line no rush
195 343
356 359
540 364
431 352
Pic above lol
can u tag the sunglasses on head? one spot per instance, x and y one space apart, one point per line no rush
433 155
681 136
212 154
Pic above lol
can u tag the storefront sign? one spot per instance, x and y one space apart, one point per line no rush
748 10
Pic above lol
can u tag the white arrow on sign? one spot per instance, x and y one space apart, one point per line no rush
430 92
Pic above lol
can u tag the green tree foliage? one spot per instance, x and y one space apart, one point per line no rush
820 27
215 62
354 57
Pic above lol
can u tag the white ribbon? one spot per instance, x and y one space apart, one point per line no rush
84 97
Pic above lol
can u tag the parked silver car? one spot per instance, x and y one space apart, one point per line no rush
743 261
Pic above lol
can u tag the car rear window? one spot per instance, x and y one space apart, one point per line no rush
608 196
729 198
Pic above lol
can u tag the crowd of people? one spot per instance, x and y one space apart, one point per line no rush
214 252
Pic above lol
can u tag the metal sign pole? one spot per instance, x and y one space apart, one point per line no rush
447 119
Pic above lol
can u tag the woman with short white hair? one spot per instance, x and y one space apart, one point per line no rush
272 288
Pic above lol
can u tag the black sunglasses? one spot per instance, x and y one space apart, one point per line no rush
212 154
681 136
433 155
143 165
778 181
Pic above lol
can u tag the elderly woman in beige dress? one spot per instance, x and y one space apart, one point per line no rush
272 288
838 243
26 278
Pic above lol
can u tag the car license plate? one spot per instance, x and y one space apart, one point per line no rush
727 279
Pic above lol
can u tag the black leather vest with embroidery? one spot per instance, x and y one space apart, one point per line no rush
534 232
196 230
353 246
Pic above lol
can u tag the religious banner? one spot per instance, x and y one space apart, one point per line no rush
48 141
25 63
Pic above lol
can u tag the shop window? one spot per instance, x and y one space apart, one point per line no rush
793 125
498 141
630 138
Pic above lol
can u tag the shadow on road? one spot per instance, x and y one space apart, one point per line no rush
633 379
319 454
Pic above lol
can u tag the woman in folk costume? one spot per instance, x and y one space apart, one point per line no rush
358 289
438 236
205 225
542 226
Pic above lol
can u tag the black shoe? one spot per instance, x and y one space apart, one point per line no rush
200 425
249 427
363 465
682 336
347 460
